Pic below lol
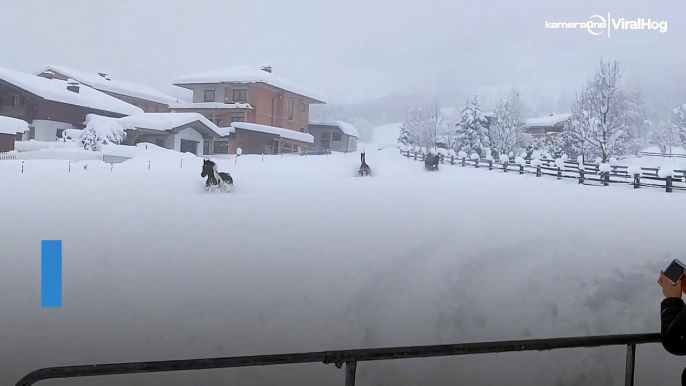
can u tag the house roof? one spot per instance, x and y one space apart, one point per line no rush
170 122
56 90
9 125
244 74
547 121
345 127
283 133
108 84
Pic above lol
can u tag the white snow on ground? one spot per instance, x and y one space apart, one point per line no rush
387 135
12 126
303 256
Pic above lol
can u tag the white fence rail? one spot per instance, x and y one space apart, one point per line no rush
55 154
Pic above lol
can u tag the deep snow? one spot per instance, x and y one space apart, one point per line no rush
303 256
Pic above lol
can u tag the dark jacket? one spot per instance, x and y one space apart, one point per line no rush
673 329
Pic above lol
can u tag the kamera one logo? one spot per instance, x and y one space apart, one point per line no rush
598 25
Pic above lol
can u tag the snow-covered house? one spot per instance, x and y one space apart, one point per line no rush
184 132
146 98
9 129
334 135
546 126
51 106
254 138
251 95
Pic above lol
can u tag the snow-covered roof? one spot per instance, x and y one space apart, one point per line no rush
548 121
210 105
284 133
345 127
244 74
56 90
108 84
9 125
166 121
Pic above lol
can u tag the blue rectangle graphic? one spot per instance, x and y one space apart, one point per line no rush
51 273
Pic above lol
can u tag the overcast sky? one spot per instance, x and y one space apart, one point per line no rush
347 50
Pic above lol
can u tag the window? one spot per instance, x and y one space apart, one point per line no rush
59 133
291 104
19 136
237 117
209 96
17 101
221 147
336 137
303 106
302 130
240 95
218 121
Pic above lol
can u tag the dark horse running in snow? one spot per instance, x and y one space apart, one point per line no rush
365 170
215 179
431 162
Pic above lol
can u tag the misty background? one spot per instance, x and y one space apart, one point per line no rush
370 60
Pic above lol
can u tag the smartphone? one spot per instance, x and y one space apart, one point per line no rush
675 271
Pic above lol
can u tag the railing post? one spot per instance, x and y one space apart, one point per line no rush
504 167
490 165
669 184
415 155
581 177
538 171
464 160
559 173
452 160
637 181
521 169
350 368
630 364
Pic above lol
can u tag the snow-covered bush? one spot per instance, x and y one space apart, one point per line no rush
462 155
504 158
633 170
665 171
100 130
536 162
451 153
423 150
520 161
560 163
605 168
489 157
474 156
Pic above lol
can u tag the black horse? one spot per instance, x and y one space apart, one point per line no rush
215 179
431 162
365 170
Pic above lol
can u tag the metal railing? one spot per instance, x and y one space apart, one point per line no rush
351 357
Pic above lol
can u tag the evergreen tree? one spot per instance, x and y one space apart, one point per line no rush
471 130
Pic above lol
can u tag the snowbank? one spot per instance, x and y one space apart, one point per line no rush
605 168
474 157
665 171
12 126
520 161
504 158
633 170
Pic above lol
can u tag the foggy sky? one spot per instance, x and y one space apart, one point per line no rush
348 51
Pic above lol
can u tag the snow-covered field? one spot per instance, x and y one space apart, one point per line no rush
304 256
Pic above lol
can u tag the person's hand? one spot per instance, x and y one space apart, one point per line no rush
669 288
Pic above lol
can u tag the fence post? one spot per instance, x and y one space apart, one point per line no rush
69 166
476 163
559 173
504 167
464 162
350 368
415 155
148 164
452 160
581 177
606 178
22 167
521 169
630 364
637 181
669 184
181 163
538 170
111 167
490 165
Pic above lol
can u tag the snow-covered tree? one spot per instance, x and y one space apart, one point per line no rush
471 134
101 130
680 121
665 135
424 126
410 130
638 125
600 115
505 129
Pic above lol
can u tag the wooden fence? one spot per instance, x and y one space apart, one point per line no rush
591 175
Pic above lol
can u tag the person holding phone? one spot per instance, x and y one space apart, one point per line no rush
673 314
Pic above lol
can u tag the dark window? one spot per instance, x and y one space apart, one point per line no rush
238 118
218 121
17 100
303 106
302 130
19 137
221 147
59 133
240 95
291 104
336 137
209 95
206 146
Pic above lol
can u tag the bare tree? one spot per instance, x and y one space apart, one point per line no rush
505 130
665 136
600 119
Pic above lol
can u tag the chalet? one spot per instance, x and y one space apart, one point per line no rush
51 106
10 128
544 127
146 98
183 132
334 135
243 94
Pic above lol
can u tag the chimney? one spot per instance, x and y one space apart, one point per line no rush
73 85
48 74
267 69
